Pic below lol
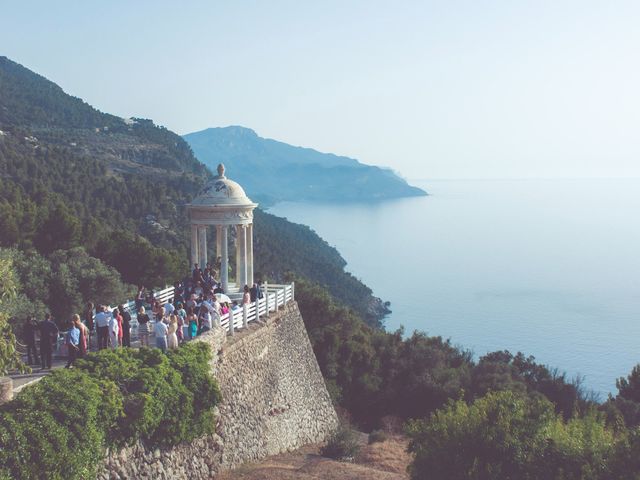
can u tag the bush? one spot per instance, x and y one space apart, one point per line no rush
377 436
192 362
507 436
343 444
167 398
60 427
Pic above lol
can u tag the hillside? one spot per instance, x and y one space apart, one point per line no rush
275 171
73 176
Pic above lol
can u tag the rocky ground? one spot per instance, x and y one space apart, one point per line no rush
386 460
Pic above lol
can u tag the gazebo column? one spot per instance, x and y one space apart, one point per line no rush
250 254
218 241
241 265
224 269
202 248
194 246
237 277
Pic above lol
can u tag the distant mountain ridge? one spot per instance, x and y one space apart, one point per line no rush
271 171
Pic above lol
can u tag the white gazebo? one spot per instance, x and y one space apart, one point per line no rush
224 204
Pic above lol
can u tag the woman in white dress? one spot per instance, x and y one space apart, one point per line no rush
172 337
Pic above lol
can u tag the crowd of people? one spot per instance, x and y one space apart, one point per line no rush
198 303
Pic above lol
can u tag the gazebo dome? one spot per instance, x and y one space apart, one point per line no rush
223 204
222 191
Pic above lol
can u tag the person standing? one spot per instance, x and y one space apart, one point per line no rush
246 296
140 297
88 321
172 329
126 326
196 274
102 326
29 338
193 323
182 317
84 336
168 307
116 313
204 317
161 331
144 327
73 341
114 330
48 336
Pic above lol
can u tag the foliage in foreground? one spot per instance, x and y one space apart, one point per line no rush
60 427
509 436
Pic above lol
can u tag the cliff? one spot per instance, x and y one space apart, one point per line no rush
274 400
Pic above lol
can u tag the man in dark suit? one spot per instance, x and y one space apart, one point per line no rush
48 336
29 337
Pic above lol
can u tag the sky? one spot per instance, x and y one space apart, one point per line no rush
431 89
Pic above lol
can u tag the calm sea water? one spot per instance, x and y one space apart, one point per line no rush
547 267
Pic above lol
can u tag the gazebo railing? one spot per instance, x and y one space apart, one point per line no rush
274 296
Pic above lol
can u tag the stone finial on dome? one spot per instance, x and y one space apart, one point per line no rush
221 170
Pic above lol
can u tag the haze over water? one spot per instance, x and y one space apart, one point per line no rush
547 267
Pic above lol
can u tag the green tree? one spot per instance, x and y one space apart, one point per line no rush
627 402
60 229
78 278
9 357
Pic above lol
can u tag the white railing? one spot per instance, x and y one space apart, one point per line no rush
274 297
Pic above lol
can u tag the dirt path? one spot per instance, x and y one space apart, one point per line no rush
380 461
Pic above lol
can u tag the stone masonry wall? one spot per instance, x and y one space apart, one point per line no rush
274 400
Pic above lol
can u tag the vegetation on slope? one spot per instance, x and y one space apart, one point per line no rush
120 192
60 427
509 436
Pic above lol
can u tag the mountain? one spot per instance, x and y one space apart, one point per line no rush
275 171
73 176
30 100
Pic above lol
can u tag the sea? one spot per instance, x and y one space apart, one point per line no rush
550 268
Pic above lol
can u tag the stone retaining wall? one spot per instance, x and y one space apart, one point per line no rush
274 400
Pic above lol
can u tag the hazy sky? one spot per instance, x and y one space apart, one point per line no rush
432 89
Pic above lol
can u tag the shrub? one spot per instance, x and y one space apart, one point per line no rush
507 436
192 362
167 398
377 436
343 444
57 428
60 427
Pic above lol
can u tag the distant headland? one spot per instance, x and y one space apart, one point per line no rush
273 171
